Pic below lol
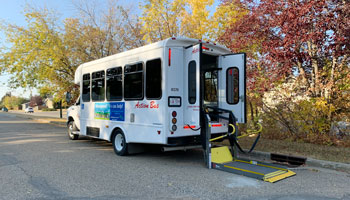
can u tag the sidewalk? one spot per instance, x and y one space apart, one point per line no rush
310 162
52 117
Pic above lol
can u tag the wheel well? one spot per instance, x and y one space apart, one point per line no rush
70 119
114 132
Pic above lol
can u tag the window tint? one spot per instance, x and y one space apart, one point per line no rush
192 82
86 88
153 79
114 86
133 81
232 78
98 86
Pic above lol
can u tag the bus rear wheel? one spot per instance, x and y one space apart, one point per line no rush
119 143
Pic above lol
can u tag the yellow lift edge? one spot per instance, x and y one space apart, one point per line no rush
221 158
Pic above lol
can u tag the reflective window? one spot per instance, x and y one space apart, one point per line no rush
232 80
98 86
114 84
86 88
211 86
192 82
153 79
133 82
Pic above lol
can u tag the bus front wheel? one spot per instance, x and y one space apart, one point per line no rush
71 128
119 143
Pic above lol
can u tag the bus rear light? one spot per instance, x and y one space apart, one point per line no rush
187 127
205 48
174 128
216 125
174 120
172 133
169 57
158 132
174 114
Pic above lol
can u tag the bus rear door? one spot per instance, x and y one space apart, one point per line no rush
232 85
191 96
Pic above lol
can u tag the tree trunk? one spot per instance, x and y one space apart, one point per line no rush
312 51
332 81
251 111
314 65
302 73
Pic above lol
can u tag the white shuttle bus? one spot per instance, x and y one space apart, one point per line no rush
155 94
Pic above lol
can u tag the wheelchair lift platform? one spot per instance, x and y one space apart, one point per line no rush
222 159
226 159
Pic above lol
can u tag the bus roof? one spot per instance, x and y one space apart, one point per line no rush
169 42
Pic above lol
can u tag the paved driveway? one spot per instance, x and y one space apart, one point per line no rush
37 161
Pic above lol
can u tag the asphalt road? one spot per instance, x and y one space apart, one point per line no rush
38 161
52 114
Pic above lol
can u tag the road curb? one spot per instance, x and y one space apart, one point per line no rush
51 121
43 119
309 161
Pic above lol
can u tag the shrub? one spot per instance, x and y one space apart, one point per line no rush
304 120
48 109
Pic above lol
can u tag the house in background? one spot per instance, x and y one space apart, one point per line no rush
48 102
25 105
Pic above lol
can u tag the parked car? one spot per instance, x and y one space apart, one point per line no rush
4 109
29 110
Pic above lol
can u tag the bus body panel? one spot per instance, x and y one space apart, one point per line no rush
151 120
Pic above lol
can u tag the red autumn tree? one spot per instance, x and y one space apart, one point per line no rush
309 39
36 101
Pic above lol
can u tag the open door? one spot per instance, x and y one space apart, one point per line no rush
232 85
192 89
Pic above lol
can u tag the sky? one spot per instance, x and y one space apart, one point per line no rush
11 11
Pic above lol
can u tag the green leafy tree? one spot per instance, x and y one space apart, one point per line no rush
45 53
162 19
12 102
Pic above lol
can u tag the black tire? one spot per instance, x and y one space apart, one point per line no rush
119 143
71 128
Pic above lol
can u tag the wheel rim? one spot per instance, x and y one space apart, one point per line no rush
70 130
118 142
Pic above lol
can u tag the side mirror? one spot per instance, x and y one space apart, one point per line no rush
68 97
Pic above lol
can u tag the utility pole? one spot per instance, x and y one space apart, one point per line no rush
61 109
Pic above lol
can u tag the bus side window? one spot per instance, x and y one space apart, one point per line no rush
86 88
192 82
133 82
98 86
153 79
114 84
232 81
